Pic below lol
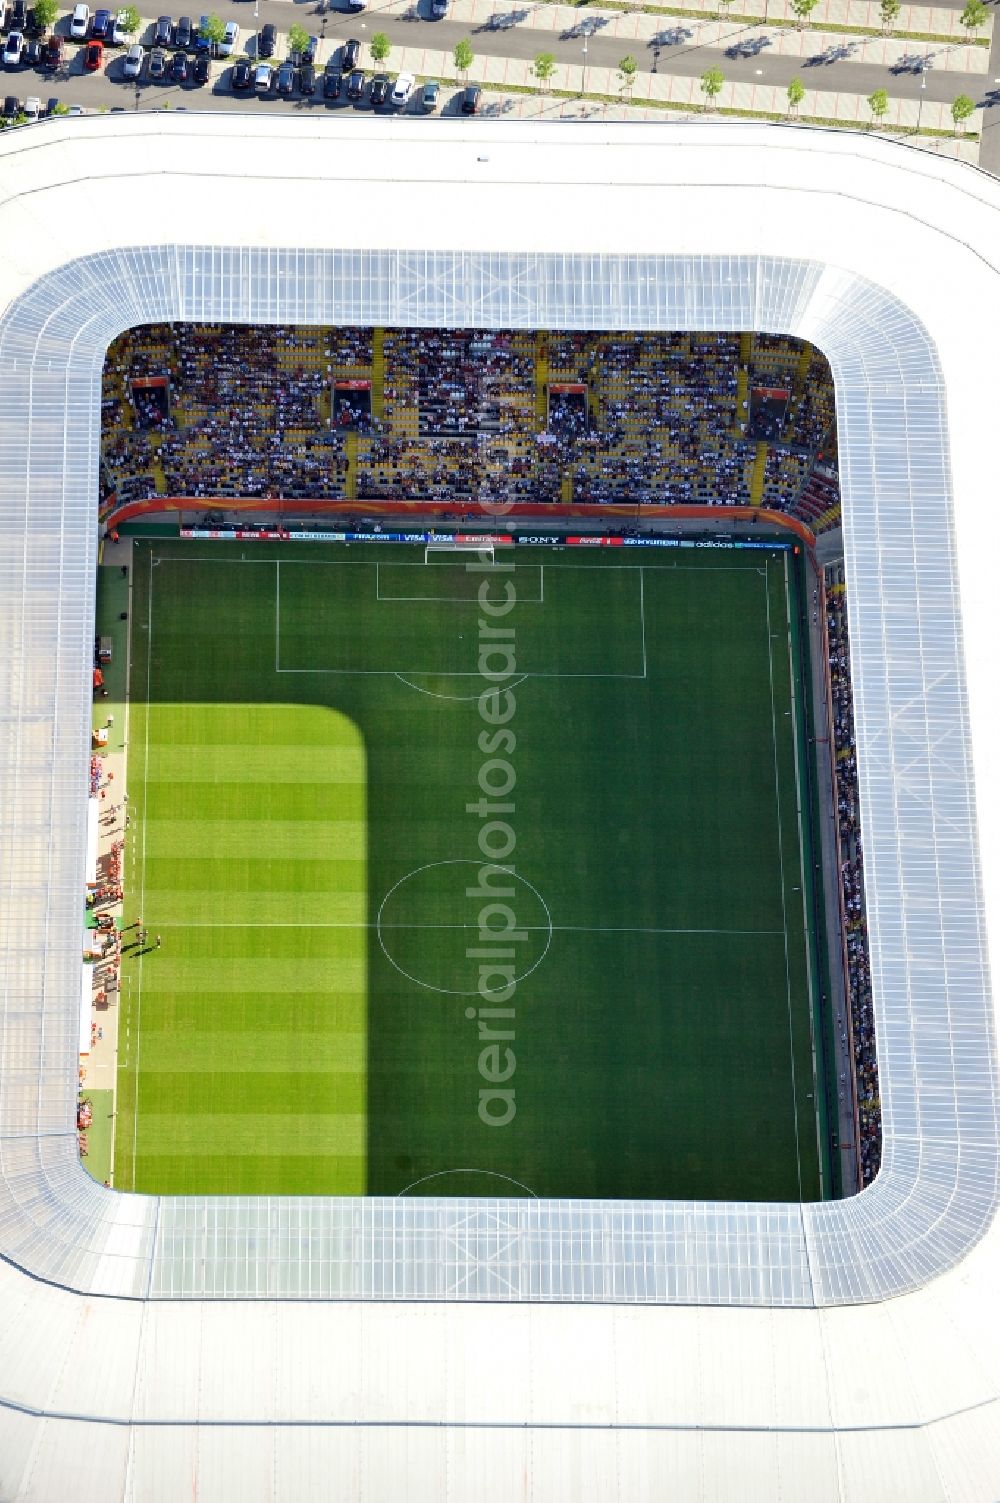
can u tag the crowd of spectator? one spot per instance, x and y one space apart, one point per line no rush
463 416
852 879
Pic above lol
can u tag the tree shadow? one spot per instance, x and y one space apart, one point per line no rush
503 20
838 52
751 47
673 36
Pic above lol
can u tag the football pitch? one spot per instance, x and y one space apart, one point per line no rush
317 790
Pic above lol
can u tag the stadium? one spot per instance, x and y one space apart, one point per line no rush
643 1315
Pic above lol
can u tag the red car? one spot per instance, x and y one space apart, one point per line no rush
53 54
93 56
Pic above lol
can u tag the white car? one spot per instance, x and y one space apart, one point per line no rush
80 24
119 36
33 107
262 78
13 47
134 59
402 89
228 44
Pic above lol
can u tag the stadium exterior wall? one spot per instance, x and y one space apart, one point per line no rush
730 227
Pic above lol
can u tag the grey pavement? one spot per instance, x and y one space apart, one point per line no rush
989 100
744 57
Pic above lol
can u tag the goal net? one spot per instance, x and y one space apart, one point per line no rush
483 550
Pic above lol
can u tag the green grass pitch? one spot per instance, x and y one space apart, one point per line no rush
303 751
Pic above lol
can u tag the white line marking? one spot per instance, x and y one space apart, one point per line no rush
781 869
277 614
400 563
448 673
642 616
527 928
810 987
142 878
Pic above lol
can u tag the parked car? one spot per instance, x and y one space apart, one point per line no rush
102 25
267 40
134 59
309 51
183 33
11 106
18 18
470 99
356 84
262 78
402 89
163 31
179 67
119 33
157 65
32 26
285 82
33 52
202 68
93 57
12 49
307 80
350 53
242 77
331 85
202 42
53 55
380 90
228 44
33 107
80 23
429 95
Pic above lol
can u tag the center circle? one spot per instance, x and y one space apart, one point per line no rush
466 928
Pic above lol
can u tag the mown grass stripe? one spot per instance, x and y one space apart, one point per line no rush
277 1051
248 1133
208 906
341 973
283 839
233 762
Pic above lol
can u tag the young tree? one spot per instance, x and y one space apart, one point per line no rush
961 109
889 10
543 68
213 29
711 82
464 56
131 20
61 109
973 15
796 94
627 69
878 103
298 37
46 12
379 47
803 9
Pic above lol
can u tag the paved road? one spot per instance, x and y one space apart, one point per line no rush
989 151
844 69
744 56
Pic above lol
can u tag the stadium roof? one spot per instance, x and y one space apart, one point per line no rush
489 1348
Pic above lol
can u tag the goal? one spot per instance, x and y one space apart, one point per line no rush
483 549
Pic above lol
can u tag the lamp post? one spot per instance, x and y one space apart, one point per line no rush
583 87
923 93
